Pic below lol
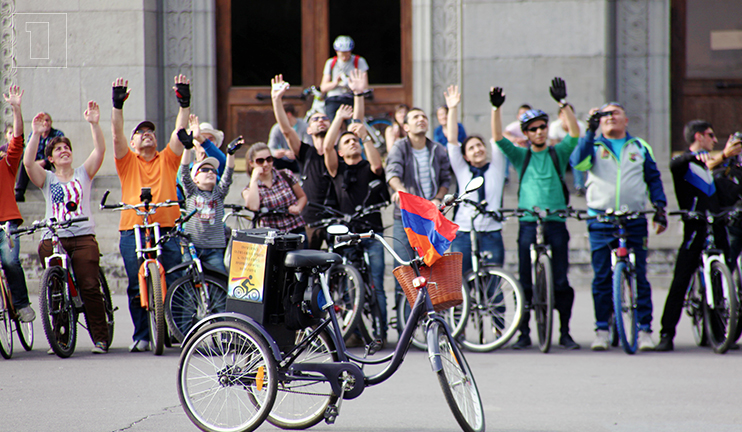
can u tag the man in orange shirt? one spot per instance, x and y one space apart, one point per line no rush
139 164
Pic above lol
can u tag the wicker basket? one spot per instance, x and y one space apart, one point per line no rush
444 281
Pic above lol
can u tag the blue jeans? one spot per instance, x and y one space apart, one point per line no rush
602 240
13 270
375 251
489 241
170 258
556 236
211 256
402 248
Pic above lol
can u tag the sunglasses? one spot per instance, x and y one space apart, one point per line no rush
709 134
261 161
535 128
319 118
207 170
611 104
144 131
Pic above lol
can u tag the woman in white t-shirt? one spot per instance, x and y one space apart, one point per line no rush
67 195
468 160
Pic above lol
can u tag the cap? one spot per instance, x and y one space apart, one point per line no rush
208 161
145 123
209 129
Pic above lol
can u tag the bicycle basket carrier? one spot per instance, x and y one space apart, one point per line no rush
261 287
444 281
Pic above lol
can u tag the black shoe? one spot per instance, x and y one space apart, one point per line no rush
568 343
665 344
524 341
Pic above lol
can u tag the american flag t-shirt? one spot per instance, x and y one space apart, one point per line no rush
61 194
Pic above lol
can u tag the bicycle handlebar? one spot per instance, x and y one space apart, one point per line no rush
354 237
150 208
343 218
709 216
51 224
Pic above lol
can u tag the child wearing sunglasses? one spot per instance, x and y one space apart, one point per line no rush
206 194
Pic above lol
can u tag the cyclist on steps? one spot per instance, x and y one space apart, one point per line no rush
541 185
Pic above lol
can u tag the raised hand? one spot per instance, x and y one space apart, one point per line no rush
37 124
92 114
185 138
452 96
358 81
235 145
278 87
345 112
14 96
194 126
182 89
558 90
120 92
359 129
497 97
593 122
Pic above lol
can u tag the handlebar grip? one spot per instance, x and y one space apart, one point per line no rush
77 219
346 238
19 230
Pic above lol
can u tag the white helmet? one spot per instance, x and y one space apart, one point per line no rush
343 43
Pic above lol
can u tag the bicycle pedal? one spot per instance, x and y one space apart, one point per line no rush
331 414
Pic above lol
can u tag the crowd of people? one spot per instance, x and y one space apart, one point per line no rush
331 160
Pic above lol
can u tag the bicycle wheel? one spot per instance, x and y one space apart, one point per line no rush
186 303
227 378
542 302
457 382
25 334
624 307
6 326
721 317
377 128
418 339
107 304
346 289
301 401
58 317
738 283
694 309
495 310
157 330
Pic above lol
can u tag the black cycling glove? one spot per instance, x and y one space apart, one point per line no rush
183 92
593 122
558 90
120 94
186 138
660 217
496 97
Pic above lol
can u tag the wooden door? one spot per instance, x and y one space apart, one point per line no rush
706 66
257 40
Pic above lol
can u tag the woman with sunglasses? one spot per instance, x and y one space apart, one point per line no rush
275 190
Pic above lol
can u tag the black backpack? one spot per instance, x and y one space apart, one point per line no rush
555 159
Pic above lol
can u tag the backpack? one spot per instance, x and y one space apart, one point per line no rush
356 58
555 160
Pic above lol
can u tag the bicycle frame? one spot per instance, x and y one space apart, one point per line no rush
708 256
144 257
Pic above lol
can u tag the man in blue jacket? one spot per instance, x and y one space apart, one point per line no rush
621 173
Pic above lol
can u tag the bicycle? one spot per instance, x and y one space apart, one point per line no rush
623 266
59 299
256 380
10 321
152 285
357 308
711 299
201 291
494 300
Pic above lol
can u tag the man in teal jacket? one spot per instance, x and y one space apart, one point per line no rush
621 173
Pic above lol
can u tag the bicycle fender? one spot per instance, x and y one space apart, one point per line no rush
215 271
180 267
143 294
234 316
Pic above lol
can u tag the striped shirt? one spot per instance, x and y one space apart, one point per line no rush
206 227
424 175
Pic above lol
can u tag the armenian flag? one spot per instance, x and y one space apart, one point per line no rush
428 231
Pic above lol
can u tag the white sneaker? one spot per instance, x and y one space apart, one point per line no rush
645 341
601 342
139 346
26 314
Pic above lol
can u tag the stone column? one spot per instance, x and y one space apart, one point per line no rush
7 41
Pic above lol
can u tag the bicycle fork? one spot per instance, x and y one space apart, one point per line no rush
707 259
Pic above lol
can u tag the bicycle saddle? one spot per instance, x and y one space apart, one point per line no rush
310 258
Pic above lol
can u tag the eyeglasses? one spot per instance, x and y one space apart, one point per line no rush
319 118
207 170
144 131
611 113
261 161
535 128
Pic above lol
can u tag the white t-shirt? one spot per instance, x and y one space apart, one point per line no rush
556 132
57 194
494 180
344 69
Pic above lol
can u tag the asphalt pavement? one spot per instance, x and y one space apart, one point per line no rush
691 389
